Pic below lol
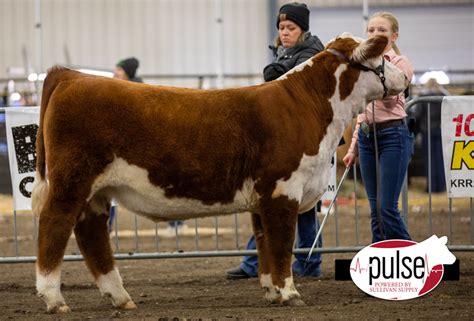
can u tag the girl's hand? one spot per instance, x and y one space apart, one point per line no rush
349 159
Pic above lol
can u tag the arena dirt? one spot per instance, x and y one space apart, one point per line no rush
197 288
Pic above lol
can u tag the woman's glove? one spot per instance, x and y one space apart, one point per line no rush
273 71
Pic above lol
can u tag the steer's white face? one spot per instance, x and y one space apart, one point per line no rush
370 84
395 79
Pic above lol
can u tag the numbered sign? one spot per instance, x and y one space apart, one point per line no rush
457 128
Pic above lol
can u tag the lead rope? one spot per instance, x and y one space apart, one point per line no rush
377 174
326 216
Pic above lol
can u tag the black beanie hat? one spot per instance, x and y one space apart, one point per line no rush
296 12
129 65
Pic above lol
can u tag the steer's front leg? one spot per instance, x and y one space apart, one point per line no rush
278 218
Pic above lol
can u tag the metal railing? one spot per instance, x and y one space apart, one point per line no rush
347 231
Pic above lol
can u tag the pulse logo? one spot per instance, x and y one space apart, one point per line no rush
401 269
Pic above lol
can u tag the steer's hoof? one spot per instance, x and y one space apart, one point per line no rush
64 309
59 309
130 305
294 302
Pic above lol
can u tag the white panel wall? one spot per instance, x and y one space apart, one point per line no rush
437 37
168 36
16 32
179 36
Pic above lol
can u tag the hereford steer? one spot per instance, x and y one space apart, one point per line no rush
173 154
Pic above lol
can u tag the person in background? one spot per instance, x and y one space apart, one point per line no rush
395 142
294 45
432 88
126 69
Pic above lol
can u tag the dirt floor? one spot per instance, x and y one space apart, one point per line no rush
197 288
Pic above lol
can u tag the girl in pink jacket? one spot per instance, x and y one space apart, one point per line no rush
395 142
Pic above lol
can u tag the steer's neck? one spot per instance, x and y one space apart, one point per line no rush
306 80
331 90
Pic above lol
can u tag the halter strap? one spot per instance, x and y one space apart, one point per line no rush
379 71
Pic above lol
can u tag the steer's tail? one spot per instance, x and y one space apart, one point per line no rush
40 186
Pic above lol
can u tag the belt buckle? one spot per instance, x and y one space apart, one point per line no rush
365 128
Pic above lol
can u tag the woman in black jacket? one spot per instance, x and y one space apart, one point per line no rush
294 45
285 58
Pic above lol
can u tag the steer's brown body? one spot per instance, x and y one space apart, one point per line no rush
171 153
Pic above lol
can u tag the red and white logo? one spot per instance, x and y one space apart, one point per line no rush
401 269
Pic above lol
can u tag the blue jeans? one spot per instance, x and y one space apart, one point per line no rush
307 227
174 224
110 221
395 146
113 212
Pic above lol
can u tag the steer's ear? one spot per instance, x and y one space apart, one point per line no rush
369 49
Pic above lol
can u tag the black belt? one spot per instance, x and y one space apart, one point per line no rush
386 124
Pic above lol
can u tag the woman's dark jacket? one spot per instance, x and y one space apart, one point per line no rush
285 59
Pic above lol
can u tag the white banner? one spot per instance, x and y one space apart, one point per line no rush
331 192
22 126
457 129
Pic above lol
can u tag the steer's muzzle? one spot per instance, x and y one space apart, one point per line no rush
399 83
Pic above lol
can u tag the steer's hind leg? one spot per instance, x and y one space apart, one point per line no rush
56 222
263 258
279 222
93 239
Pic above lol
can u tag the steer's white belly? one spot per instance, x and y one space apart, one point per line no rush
308 183
130 187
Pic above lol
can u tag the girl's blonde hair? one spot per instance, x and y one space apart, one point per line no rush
393 21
